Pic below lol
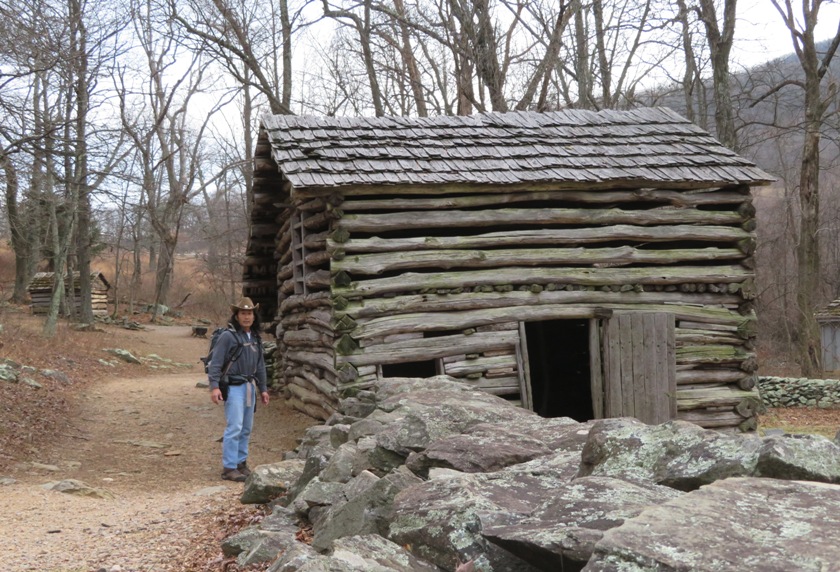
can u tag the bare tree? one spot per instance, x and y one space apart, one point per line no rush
817 101
720 38
169 148
250 39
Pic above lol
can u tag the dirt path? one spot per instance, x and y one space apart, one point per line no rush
150 440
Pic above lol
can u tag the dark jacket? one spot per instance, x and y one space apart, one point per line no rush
251 362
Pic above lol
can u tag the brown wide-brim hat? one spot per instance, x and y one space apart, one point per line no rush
244 304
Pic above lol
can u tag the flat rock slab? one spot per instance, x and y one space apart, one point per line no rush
734 524
78 488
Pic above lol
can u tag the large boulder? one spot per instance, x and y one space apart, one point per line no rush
267 482
367 553
426 416
483 449
684 456
799 457
369 512
489 447
561 534
441 519
733 524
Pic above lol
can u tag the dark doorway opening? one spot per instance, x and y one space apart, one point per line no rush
410 369
558 359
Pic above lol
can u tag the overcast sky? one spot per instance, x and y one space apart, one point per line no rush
761 34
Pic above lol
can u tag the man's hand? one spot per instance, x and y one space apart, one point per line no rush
264 396
216 395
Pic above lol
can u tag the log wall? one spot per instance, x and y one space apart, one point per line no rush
305 355
450 278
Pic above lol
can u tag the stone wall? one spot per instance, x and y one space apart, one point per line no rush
799 392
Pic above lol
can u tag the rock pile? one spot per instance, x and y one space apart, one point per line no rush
426 475
13 372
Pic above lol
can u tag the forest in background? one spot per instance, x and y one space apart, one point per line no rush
127 128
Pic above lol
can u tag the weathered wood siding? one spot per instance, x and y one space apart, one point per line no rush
40 293
450 278
304 330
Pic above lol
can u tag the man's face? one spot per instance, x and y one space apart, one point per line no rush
245 317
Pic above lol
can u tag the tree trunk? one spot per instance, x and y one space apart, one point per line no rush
20 246
80 174
720 44
410 63
814 67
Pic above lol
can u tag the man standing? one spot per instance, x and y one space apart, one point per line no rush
236 374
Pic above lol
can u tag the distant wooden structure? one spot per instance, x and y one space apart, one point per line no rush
577 263
41 287
829 320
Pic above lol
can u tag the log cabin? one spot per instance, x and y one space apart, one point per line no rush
41 287
577 263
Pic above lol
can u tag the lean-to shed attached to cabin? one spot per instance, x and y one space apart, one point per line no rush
578 263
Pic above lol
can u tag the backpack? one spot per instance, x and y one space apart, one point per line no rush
234 355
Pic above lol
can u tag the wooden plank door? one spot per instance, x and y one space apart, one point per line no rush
639 366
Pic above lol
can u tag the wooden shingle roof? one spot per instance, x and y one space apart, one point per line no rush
830 313
44 281
650 146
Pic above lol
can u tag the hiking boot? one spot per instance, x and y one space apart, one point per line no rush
243 468
233 475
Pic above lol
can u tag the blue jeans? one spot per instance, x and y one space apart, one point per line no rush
240 421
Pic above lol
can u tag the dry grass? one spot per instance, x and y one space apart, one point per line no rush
30 417
825 422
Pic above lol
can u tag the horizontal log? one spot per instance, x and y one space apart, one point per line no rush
546 237
506 386
690 399
307 337
687 324
265 198
480 365
317 258
320 279
682 199
693 376
320 220
265 166
694 337
321 411
317 204
478 300
410 281
314 359
693 361
462 188
258 260
268 283
284 240
285 272
316 241
314 300
711 419
435 321
537 217
431 348
288 286
298 388
326 390
318 317
377 263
